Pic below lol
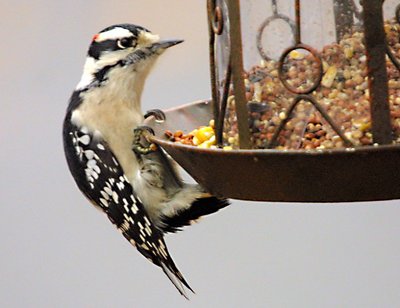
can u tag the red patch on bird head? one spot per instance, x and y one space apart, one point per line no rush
95 37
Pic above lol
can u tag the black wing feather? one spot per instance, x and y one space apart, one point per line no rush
200 207
100 177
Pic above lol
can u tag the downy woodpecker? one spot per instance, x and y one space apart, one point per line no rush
142 195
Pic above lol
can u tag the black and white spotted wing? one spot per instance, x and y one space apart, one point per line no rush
100 177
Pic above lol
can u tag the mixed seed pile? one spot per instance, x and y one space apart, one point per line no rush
203 137
343 92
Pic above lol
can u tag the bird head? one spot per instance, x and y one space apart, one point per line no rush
125 48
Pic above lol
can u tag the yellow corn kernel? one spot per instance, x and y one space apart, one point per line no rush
212 140
195 140
204 133
257 92
208 143
329 76
365 126
296 55
325 66
387 28
348 52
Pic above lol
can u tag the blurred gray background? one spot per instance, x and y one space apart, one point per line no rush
58 251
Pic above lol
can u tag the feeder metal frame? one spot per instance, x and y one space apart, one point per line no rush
340 175
376 50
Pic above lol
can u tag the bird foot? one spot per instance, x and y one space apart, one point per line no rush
140 137
158 114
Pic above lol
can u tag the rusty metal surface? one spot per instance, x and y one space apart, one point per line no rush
284 79
217 27
213 69
362 174
375 43
297 9
236 62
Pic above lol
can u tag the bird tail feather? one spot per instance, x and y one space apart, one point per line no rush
177 279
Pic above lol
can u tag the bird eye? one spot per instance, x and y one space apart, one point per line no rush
125 42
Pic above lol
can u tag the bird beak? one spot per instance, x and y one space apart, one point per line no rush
165 44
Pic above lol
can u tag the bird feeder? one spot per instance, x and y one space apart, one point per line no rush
305 102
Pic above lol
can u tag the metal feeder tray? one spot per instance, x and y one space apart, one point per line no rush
351 174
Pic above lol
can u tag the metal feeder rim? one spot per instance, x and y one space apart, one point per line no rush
345 151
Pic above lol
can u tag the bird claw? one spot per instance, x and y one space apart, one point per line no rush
138 147
158 114
140 130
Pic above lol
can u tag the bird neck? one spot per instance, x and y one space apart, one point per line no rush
112 108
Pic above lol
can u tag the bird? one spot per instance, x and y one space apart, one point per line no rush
140 190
